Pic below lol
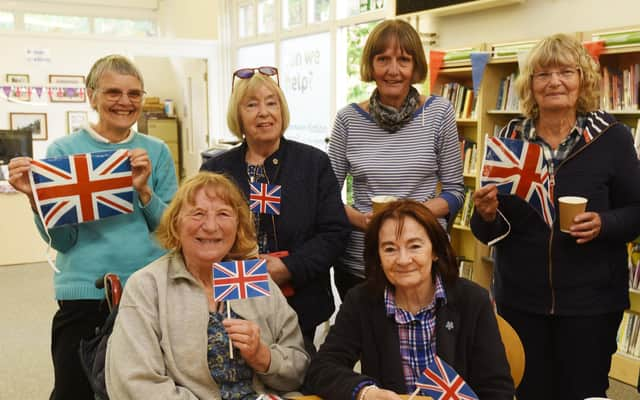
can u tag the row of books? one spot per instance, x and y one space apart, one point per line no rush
628 341
461 98
508 99
634 267
469 150
619 88
463 218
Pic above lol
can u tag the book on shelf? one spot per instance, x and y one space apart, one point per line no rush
463 217
468 157
507 99
619 88
460 97
465 268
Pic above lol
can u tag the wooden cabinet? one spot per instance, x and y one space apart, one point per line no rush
167 130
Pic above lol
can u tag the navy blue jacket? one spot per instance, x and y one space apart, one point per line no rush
466 334
541 270
312 224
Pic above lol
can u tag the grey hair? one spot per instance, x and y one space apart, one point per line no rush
114 63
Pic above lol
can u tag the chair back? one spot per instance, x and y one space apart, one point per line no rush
513 349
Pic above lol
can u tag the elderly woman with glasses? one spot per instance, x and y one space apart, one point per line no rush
119 244
565 292
303 222
397 143
171 337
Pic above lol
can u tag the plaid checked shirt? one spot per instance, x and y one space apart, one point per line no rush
416 334
554 157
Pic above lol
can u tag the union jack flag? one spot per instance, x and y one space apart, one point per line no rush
265 198
519 167
82 187
240 279
440 381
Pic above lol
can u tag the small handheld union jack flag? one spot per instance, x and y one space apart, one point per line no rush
440 381
519 167
265 198
82 187
240 279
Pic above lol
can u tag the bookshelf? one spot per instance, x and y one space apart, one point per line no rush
620 68
489 116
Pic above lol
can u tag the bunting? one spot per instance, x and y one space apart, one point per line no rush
594 49
436 58
479 62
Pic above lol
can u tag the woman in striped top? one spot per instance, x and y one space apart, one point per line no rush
397 143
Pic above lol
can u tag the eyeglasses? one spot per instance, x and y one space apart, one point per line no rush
114 95
247 73
565 74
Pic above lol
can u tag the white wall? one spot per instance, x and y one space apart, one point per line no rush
535 19
188 19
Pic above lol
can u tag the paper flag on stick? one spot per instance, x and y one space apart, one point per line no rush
478 64
436 58
440 381
242 279
518 167
82 187
594 49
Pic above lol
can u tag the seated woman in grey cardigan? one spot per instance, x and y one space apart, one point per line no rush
171 338
411 308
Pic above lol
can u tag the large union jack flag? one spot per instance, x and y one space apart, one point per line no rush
265 198
440 381
82 187
519 167
240 279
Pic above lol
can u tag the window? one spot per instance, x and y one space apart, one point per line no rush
318 10
245 21
56 23
124 27
304 79
316 45
7 21
256 56
266 16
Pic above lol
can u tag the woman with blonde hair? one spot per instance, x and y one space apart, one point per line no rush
171 338
310 230
565 292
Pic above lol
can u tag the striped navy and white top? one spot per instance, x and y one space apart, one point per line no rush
408 163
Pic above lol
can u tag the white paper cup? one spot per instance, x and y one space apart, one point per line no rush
569 207
379 202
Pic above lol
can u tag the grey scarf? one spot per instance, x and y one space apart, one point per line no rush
388 118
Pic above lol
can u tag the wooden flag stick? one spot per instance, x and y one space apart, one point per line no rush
230 344
414 394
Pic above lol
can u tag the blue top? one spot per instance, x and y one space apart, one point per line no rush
120 244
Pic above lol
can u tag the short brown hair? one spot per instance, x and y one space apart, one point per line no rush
558 50
245 87
245 243
444 266
382 36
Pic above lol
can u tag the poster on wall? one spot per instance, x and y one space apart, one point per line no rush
18 87
76 120
36 123
304 78
66 88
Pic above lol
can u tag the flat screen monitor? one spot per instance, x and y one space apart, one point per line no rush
14 143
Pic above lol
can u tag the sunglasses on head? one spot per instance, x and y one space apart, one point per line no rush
247 73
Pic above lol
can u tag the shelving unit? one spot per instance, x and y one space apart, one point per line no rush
624 368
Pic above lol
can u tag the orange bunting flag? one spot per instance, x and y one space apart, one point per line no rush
595 49
436 57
